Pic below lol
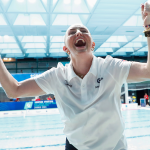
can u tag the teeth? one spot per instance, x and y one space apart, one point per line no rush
80 39
83 41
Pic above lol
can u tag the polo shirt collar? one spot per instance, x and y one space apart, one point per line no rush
70 73
93 69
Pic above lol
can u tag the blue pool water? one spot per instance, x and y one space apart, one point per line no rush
137 129
44 132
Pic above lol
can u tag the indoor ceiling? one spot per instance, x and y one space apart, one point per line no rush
36 28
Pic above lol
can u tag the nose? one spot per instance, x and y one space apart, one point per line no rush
78 32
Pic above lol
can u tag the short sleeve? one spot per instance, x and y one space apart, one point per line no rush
45 81
118 69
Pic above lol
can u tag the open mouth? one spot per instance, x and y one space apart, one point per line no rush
80 43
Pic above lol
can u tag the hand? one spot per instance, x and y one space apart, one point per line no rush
145 12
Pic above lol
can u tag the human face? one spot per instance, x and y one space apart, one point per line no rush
78 39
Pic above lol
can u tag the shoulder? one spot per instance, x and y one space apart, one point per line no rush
109 60
61 67
98 60
106 60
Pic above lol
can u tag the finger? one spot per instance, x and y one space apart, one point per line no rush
143 13
142 8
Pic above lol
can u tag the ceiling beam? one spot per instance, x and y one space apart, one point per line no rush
139 49
117 29
49 22
125 44
130 53
11 27
49 6
93 9
43 6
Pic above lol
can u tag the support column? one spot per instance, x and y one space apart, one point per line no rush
16 66
37 65
126 93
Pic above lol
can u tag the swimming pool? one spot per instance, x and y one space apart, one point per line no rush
44 132
137 129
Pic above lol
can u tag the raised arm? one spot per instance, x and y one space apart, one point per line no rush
13 88
141 71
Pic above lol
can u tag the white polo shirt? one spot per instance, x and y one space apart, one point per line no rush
90 107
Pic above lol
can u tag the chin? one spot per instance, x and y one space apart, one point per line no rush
83 50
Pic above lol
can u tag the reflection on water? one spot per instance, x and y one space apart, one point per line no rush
46 132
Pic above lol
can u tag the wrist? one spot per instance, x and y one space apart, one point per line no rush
146 21
147 33
146 27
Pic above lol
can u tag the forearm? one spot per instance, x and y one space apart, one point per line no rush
7 81
145 12
146 24
148 55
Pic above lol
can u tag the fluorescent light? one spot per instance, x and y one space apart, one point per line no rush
77 2
0 37
9 59
54 2
20 1
91 3
6 37
66 1
44 1
5 1
140 36
32 1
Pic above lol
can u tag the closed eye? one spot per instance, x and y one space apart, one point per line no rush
83 31
72 32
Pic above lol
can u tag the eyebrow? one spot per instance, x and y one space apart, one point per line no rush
77 27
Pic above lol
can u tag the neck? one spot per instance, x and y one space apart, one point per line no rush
82 64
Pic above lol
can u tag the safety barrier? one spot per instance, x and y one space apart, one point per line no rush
44 104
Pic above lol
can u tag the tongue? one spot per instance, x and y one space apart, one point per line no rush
80 43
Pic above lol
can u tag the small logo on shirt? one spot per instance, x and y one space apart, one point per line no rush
67 83
98 81
96 86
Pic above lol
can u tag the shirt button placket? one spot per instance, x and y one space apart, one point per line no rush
83 91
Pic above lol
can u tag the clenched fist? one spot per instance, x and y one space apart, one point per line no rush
145 12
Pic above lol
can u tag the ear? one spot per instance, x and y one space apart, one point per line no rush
93 44
64 48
